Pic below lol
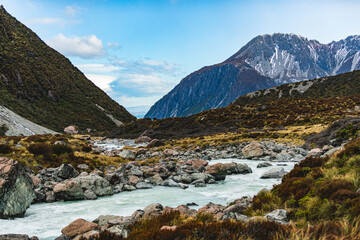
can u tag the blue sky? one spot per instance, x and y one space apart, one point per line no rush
138 50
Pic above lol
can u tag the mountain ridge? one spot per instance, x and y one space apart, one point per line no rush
44 87
266 61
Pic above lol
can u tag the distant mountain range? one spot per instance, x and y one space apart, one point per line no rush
318 101
266 61
41 85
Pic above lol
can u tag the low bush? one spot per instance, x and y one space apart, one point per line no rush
86 148
59 149
5 149
39 149
330 187
35 138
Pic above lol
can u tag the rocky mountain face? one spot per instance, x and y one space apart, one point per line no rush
266 61
41 85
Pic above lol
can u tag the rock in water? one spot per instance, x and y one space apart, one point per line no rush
218 170
16 189
254 149
277 172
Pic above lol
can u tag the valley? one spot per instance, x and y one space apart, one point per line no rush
264 145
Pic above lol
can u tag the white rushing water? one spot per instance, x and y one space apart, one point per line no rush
47 219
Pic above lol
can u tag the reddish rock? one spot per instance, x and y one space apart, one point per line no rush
254 149
133 180
217 170
36 181
168 228
143 139
77 227
70 130
182 209
155 143
161 170
197 164
212 208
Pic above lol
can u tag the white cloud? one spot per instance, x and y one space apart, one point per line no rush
47 21
145 83
113 45
97 68
102 81
132 102
84 47
70 11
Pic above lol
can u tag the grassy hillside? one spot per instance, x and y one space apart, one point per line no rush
345 84
43 86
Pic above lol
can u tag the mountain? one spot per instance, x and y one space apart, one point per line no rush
266 61
41 85
307 103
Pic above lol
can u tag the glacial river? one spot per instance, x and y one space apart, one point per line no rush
47 219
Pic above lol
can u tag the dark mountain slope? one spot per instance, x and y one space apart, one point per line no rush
43 86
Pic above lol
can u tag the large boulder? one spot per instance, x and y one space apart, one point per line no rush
16 189
217 170
70 130
277 172
99 185
78 227
254 149
68 190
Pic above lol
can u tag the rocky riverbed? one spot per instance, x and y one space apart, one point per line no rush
37 221
178 169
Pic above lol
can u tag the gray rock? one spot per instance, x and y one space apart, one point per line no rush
127 154
99 185
129 188
170 183
277 172
200 185
89 195
156 179
153 210
264 164
143 185
66 171
83 166
68 190
278 215
198 181
183 186
16 189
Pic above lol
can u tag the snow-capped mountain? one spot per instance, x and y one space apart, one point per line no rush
266 61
